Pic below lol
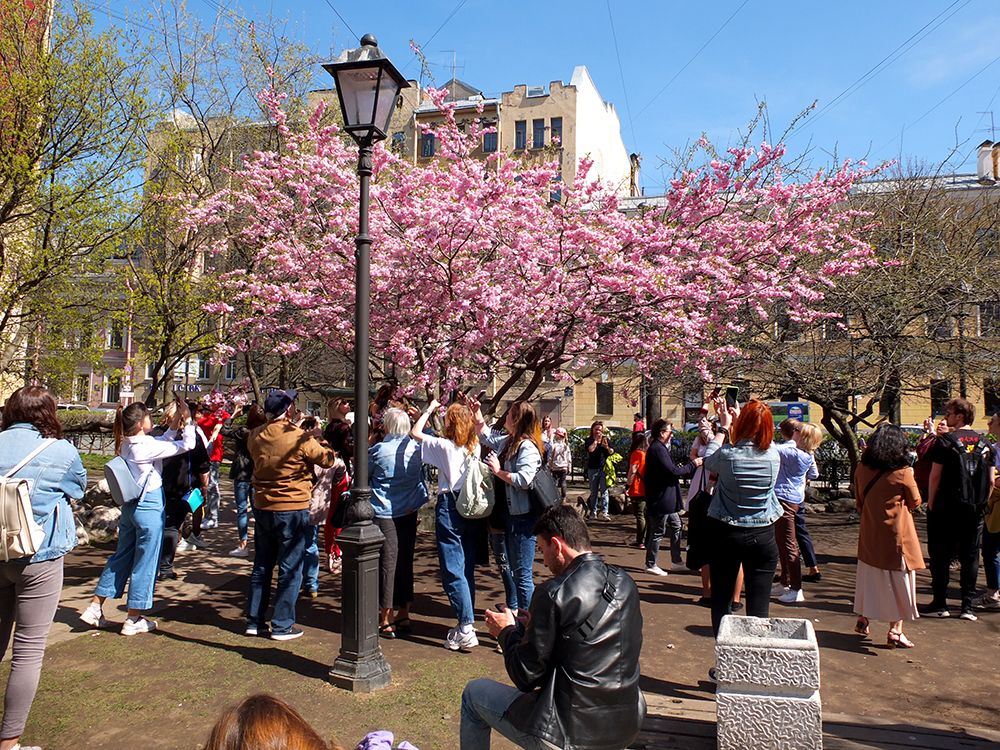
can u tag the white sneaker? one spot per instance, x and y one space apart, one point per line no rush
777 589
967 615
656 570
603 517
135 627
185 546
459 641
239 552
209 524
792 596
93 616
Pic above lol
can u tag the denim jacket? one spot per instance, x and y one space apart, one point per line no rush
57 473
523 466
397 477
744 492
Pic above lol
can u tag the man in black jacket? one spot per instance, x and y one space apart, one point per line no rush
574 659
663 497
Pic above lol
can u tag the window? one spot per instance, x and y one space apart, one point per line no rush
940 327
427 145
112 389
116 336
555 195
398 141
605 398
991 396
940 395
520 135
555 129
989 319
81 389
537 133
149 370
230 370
489 142
204 368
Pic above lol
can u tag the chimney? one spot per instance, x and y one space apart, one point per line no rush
633 186
986 162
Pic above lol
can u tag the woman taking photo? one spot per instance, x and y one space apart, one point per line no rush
30 586
241 471
888 548
744 508
398 492
663 497
456 536
516 458
140 529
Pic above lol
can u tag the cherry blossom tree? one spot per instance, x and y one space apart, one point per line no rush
477 272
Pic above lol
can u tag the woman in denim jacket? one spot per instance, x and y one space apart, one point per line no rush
744 508
30 587
516 459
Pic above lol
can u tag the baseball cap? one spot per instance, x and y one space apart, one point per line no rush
561 431
277 402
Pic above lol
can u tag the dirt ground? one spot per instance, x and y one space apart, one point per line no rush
101 690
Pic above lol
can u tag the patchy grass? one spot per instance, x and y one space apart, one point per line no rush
94 461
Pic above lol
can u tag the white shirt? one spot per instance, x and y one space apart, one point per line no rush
448 458
144 454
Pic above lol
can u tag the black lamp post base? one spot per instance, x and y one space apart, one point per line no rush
364 675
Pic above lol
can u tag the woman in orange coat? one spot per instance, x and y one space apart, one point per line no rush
888 548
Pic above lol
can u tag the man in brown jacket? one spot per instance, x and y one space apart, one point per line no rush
283 458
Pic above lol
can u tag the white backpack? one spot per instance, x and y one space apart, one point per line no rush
22 536
475 497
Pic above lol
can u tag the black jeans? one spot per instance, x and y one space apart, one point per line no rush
406 542
755 549
175 511
952 529
387 561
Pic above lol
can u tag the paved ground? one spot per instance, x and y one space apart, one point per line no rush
101 690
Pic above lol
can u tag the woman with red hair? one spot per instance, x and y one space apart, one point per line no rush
744 507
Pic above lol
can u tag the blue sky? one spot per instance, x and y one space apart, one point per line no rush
915 106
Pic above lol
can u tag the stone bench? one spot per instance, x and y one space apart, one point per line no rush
767 697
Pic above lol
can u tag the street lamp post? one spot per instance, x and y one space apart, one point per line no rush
367 86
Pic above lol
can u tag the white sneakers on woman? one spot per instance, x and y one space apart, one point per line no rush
94 617
135 627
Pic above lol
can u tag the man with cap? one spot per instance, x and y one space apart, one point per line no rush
283 458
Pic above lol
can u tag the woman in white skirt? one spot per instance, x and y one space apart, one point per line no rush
888 548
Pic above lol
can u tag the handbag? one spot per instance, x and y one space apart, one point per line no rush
121 483
543 492
993 515
21 535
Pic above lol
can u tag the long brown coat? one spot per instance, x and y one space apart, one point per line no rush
888 534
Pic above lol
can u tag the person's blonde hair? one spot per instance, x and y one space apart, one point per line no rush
812 436
460 427
264 722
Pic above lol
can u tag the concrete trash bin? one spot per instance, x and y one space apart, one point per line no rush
767 696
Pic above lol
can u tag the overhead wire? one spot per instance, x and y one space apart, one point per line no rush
342 19
901 49
693 57
945 98
621 73
454 11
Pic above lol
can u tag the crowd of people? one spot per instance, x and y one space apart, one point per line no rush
575 647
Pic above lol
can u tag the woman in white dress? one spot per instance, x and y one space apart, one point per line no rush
888 548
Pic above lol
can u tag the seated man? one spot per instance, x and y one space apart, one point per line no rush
574 659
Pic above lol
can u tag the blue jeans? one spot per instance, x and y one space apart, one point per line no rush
484 703
598 491
456 540
279 539
212 501
991 559
498 544
243 494
521 553
804 539
310 559
140 534
656 528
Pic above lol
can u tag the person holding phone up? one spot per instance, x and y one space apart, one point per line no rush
597 449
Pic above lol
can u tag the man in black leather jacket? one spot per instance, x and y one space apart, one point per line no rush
574 660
